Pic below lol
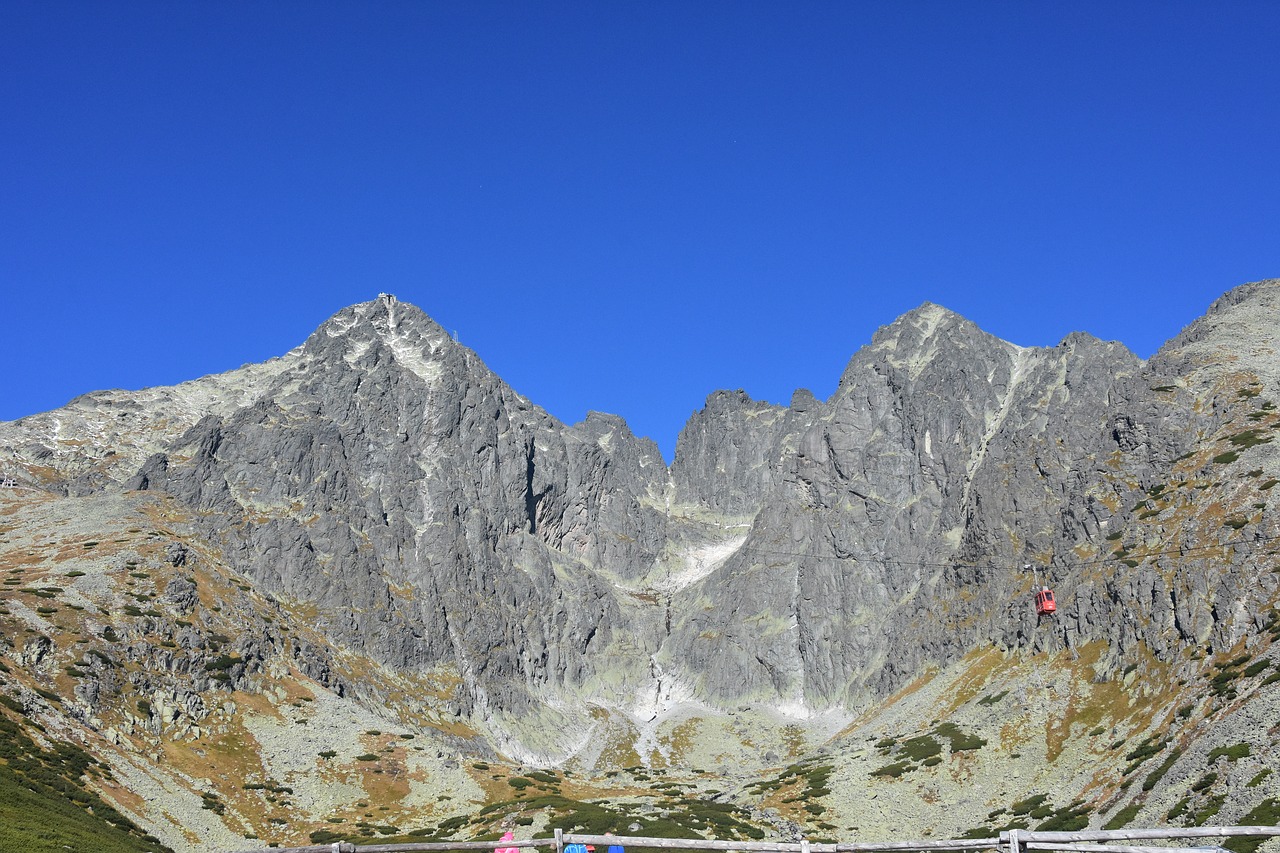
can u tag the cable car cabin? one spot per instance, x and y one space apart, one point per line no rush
1045 605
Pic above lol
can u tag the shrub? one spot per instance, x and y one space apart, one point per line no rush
1231 753
960 740
1069 819
1023 807
1265 813
1149 747
221 663
1123 817
1256 667
1205 783
920 748
1210 809
324 836
1157 774
1249 438
892 771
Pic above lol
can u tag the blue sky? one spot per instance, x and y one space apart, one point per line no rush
620 206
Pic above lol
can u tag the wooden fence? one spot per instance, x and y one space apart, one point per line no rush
1013 841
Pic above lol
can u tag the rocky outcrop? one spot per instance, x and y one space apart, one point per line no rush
802 557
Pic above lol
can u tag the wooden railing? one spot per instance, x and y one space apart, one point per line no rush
1012 841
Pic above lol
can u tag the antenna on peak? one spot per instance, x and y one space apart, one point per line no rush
388 298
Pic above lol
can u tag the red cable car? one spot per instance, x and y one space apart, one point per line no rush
1045 605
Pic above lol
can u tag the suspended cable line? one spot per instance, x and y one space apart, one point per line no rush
1255 542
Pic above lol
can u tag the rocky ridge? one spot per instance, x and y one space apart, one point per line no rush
376 520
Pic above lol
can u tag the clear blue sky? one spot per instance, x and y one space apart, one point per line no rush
620 206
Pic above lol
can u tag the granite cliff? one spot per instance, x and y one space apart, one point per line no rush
376 525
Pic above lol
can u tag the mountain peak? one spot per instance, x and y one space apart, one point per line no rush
414 340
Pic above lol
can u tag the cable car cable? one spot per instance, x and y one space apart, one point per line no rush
888 561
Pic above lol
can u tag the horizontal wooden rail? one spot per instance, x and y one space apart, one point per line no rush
1011 841
643 842
1115 848
1026 835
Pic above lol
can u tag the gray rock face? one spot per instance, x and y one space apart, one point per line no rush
801 557
725 455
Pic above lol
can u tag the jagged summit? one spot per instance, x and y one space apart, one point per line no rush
376 521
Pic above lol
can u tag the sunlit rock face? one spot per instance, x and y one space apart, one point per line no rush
803 558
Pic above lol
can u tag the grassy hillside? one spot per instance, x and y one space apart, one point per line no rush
45 806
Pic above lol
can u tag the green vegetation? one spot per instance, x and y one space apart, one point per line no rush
925 750
919 748
1265 813
961 741
1210 808
1231 753
1256 667
222 663
46 808
1249 438
1033 806
1122 818
1157 774
1222 685
1069 818
1150 746
892 771
1205 783
678 816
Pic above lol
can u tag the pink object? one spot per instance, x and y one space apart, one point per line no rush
507 836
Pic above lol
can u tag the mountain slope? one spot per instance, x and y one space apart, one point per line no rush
373 547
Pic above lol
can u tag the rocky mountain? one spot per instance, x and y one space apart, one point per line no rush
371 574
